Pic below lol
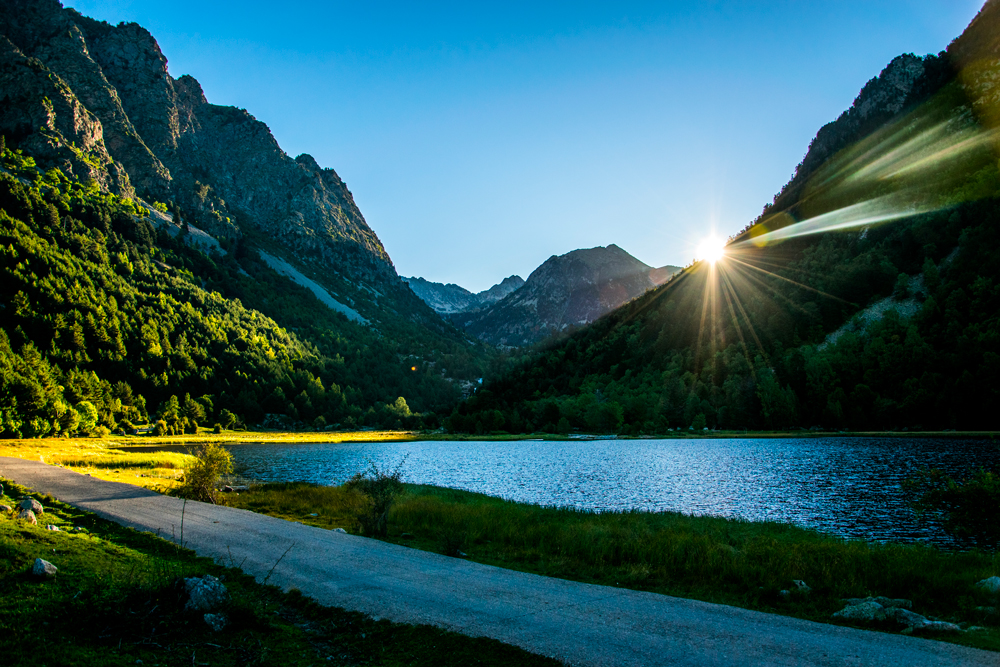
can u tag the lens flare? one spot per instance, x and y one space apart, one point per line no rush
711 249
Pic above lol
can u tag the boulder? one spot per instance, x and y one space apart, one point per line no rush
884 601
31 504
205 593
867 611
52 527
43 569
29 516
991 585
801 586
339 530
6 508
935 626
217 622
905 617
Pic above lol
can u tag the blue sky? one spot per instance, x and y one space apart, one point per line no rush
481 138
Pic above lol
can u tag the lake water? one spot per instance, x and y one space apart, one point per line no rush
847 486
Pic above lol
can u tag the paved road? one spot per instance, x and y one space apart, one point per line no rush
580 624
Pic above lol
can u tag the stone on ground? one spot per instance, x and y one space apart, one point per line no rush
991 585
205 593
44 569
33 505
29 516
865 611
217 622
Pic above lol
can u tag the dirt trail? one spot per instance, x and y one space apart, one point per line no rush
580 624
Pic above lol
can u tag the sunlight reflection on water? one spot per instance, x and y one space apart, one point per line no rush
846 486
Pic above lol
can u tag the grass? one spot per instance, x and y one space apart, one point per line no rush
116 601
746 564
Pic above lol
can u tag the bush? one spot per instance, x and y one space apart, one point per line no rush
201 478
380 487
218 428
969 510
160 428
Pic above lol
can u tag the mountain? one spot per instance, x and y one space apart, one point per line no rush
866 296
451 298
566 291
166 246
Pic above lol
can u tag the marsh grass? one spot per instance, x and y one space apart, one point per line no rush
733 562
116 601
113 458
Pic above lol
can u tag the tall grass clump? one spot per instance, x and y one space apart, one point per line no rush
111 459
201 478
380 487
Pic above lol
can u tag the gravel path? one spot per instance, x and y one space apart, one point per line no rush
580 624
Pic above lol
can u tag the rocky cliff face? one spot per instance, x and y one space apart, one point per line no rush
565 291
905 82
98 99
451 298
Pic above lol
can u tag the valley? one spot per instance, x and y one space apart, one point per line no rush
191 315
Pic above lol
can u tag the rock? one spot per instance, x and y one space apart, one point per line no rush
227 489
205 593
801 586
52 527
905 617
29 516
991 585
31 504
78 529
43 569
314 514
867 611
885 602
935 626
217 622
339 530
784 594
6 508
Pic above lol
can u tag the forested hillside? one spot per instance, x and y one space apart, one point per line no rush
866 296
109 321
112 316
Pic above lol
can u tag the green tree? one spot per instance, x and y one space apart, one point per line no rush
87 416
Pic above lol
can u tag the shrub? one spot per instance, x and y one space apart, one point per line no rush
160 428
201 478
969 510
380 487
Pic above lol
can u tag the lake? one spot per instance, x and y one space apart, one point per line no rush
846 486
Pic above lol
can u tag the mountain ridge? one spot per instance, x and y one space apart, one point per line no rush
565 291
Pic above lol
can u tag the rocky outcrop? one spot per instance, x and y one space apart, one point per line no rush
99 100
565 291
450 298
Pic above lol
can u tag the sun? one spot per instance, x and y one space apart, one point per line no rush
711 249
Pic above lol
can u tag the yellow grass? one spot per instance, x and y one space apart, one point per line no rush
112 458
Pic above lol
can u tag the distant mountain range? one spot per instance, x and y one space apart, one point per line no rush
452 298
566 291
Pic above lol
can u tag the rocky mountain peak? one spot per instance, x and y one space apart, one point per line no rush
565 291
112 95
